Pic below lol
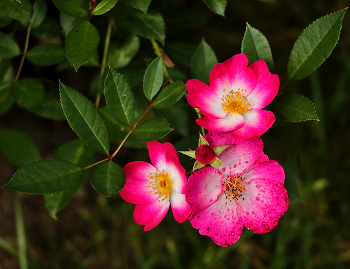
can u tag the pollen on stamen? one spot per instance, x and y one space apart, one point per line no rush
234 188
235 102
160 184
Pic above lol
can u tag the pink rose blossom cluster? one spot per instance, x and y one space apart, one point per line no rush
247 190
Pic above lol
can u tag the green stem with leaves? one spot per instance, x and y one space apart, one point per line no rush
21 236
20 65
104 58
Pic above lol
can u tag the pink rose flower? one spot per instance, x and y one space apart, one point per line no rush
154 187
248 190
233 101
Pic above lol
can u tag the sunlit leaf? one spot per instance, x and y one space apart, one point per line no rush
44 177
81 43
85 119
8 47
150 25
202 62
108 178
70 8
152 130
293 107
119 98
29 92
170 95
46 54
18 147
153 78
256 47
139 4
75 151
314 45
20 11
104 6
39 12
217 6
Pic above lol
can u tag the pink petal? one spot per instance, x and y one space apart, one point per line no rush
240 157
270 170
264 203
257 123
181 209
151 214
136 190
203 188
219 221
233 74
216 139
266 87
157 155
177 173
229 123
205 98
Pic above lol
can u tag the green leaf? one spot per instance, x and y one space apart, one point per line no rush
104 6
119 98
70 8
51 107
18 147
8 47
139 4
256 46
75 151
85 119
29 92
39 12
314 45
81 43
69 22
150 25
181 51
217 6
170 95
7 103
121 53
46 54
118 131
202 62
108 178
20 11
294 107
152 130
44 177
153 79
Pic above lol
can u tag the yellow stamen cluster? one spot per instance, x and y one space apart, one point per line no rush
235 102
160 184
234 187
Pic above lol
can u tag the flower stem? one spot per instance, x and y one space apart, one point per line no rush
104 59
129 133
285 84
158 52
20 65
87 167
21 237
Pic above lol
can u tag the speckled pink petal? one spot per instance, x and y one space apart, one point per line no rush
269 170
205 98
233 74
229 123
181 209
136 190
216 139
240 157
266 87
257 123
203 188
219 221
151 214
177 173
157 155
264 203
